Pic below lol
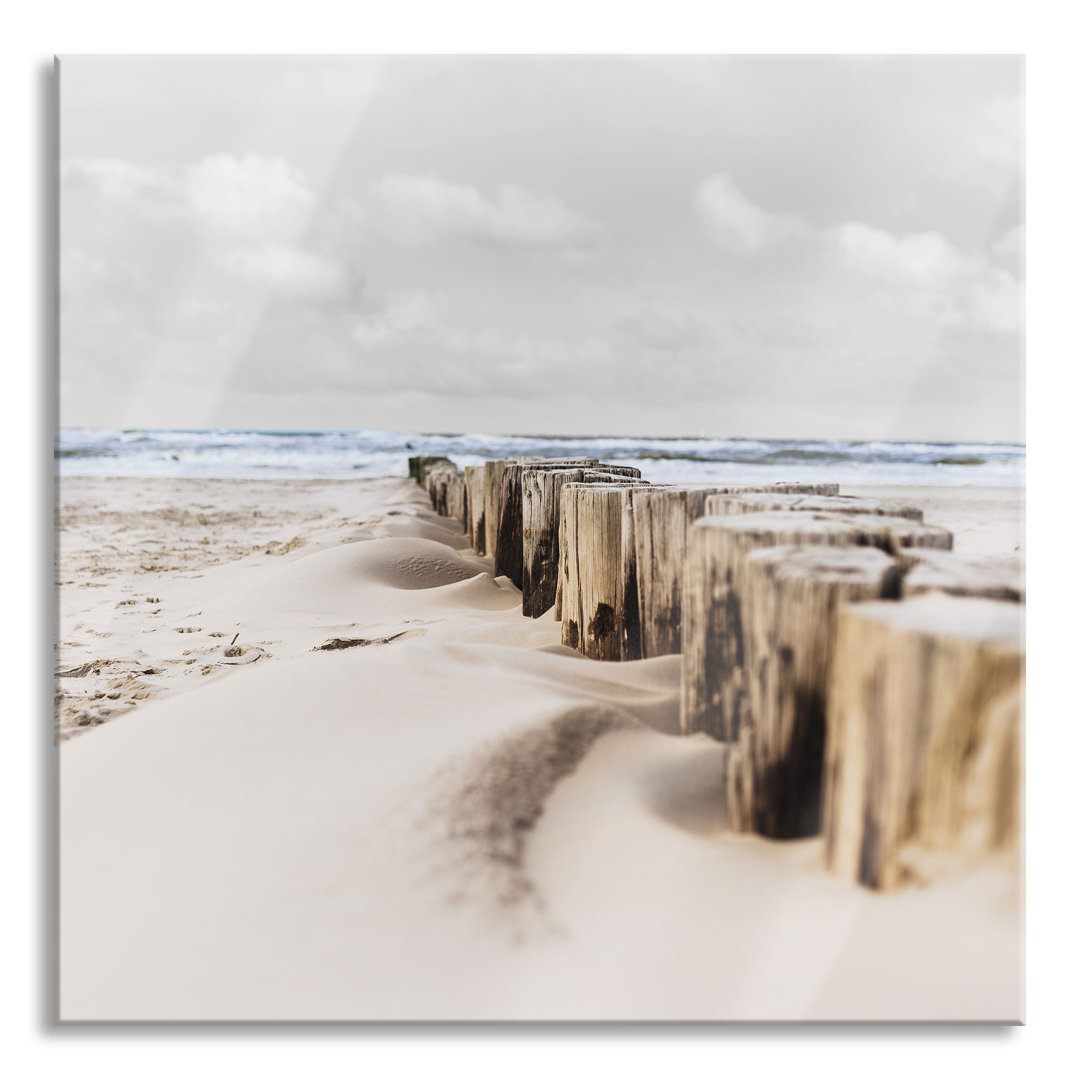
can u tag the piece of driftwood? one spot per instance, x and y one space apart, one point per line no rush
988 576
758 502
789 614
714 691
509 546
924 737
474 507
662 516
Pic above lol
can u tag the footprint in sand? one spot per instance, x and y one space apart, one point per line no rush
188 629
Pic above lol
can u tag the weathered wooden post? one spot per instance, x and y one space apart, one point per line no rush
597 540
474 505
991 577
759 502
792 596
662 516
566 590
630 624
493 471
446 487
714 692
601 472
436 488
923 746
509 547
455 496
540 491
593 600
420 466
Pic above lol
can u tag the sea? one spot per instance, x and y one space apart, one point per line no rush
315 454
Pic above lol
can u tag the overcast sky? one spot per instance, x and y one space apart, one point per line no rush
819 247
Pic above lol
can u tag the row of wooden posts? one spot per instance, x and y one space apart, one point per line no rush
866 681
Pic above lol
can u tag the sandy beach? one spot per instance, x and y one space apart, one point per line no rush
315 764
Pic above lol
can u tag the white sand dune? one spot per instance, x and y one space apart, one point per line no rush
465 821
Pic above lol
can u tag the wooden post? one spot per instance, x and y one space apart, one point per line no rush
434 481
493 471
474 498
446 487
419 467
714 692
598 541
758 502
509 546
923 747
792 596
540 491
603 472
594 604
990 577
455 496
567 594
662 516
630 624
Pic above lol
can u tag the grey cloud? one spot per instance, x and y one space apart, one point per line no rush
666 244
420 209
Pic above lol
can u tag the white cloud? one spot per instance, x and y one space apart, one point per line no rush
251 196
923 258
419 209
942 284
254 197
737 223
921 277
288 270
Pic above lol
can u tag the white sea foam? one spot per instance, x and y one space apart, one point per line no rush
113 452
